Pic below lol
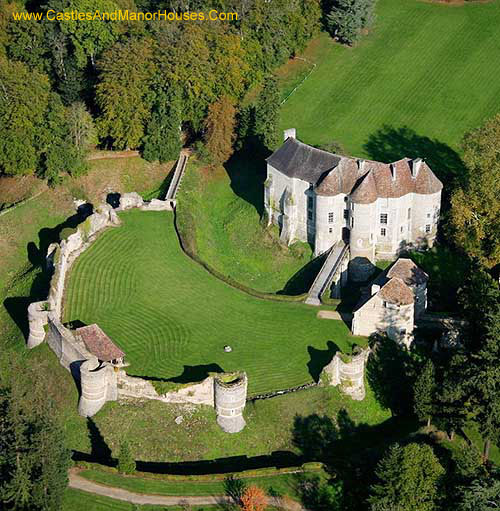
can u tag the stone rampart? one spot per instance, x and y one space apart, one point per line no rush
349 374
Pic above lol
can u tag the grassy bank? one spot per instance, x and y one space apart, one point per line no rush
219 215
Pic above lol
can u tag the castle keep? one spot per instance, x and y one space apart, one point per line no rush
377 208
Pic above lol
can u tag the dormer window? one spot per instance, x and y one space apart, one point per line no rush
383 218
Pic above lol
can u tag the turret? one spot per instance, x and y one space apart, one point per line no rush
230 398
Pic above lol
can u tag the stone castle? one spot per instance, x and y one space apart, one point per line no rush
376 208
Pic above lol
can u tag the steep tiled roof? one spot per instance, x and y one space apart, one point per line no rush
98 343
342 179
406 270
301 161
396 292
366 190
334 174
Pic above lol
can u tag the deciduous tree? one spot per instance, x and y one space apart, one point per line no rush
475 205
267 114
123 92
219 126
254 499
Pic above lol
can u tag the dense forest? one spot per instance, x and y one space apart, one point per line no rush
66 86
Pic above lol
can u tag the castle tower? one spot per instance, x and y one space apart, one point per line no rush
94 387
230 390
38 314
363 214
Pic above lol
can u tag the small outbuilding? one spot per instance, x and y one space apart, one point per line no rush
397 297
99 344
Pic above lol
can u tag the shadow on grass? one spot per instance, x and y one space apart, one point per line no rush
99 449
17 306
302 280
247 171
390 144
320 358
190 374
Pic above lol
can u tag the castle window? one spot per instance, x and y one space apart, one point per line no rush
428 215
382 231
428 228
383 218
330 230
330 218
409 213
346 214
352 222
402 228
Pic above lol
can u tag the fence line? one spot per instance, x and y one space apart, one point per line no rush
303 80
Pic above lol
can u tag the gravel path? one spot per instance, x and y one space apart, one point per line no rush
80 483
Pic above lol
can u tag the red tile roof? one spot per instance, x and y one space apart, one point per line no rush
98 343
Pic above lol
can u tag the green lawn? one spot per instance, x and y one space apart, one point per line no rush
279 484
172 318
425 66
76 500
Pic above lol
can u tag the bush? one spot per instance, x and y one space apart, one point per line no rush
126 463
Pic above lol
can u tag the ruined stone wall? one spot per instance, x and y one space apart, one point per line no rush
348 374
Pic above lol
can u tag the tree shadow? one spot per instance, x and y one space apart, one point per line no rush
99 449
320 358
314 436
247 171
190 374
393 143
391 374
302 280
16 306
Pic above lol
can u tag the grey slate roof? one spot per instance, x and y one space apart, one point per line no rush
301 161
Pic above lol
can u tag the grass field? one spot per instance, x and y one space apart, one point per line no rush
278 484
172 318
421 78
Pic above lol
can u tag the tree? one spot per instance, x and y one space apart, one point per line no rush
126 462
408 479
254 499
24 96
348 18
319 495
475 205
162 141
481 495
267 114
424 393
234 488
219 129
123 92
90 37
33 458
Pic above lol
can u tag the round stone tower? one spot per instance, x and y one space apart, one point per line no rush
362 242
230 391
38 313
93 382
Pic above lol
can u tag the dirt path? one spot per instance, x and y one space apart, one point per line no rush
80 483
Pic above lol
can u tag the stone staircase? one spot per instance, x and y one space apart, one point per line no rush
176 180
327 272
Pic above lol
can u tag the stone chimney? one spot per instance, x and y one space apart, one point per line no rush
361 165
415 167
289 133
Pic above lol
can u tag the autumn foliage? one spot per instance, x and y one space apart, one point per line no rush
254 499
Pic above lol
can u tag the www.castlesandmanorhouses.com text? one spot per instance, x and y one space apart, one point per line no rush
125 15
